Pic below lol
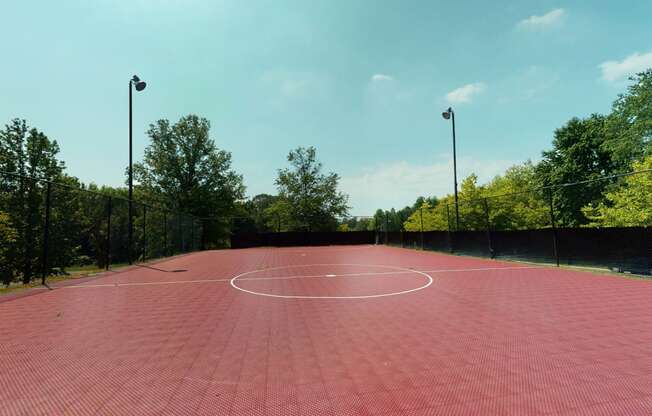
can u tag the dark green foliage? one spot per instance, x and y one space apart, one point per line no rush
253 215
79 215
578 154
8 236
29 153
629 125
308 199
183 169
357 224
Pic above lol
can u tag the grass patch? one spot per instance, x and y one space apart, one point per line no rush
71 273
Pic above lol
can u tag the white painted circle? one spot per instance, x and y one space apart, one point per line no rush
403 292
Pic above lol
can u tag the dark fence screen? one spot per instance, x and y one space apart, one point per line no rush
289 239
627 249
532 245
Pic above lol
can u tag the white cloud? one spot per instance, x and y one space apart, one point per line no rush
614 71
539 22
466 93
385 90
398 184
381 77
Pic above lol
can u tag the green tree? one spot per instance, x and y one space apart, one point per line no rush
30 154
251 215
379 220
517 204
433 215
72 211
8 236
629 205
471 205
280 216
359 224
183 167
630 122
578 154
344 227
431 201
396 219
309 199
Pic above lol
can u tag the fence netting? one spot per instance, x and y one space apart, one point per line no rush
603 223
52 228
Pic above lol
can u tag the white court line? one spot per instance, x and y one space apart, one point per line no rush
362 274
400 270
382 295
482 269
173 282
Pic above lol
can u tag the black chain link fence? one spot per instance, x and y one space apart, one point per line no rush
540 225
49 228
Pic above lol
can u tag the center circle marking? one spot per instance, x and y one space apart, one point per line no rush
381 295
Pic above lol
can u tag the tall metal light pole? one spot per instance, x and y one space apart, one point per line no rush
140 85
450 114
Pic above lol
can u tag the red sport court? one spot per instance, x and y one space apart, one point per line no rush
350 330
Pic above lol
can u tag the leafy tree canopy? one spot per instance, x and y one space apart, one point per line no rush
513 206
183 165
630 122
8 236
28 152
628 205
309 199
578 154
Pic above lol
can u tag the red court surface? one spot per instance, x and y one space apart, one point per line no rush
363 330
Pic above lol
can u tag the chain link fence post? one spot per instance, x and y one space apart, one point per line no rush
488 226
144 232
192 234
179 233
448 223
166 251
46 231
109 208
555 241
421 218
386 228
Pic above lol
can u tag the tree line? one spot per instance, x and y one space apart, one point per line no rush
595 153
182 178
185 191
183 171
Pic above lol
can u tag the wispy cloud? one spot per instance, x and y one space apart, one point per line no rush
615 71
399 183
540 22
387 90
381 77
466 93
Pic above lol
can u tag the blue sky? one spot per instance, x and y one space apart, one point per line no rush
363 81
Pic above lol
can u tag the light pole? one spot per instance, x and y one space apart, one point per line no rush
450 114
140 85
